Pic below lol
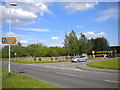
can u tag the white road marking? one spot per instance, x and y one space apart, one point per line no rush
45 70
64 68
68 74
112 81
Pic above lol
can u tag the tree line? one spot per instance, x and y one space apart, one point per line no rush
72 46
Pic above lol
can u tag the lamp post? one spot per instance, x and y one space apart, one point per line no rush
11 4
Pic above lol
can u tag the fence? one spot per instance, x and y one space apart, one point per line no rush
40 58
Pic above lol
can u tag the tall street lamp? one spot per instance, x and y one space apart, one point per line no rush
11 4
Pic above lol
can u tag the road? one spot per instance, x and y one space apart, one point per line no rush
66 75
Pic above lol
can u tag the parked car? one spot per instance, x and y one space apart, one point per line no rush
79 58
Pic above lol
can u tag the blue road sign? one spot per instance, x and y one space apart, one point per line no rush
3 40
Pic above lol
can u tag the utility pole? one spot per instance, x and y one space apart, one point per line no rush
11 4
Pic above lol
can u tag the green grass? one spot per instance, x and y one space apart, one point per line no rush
109 64
15 80
45 61
91 58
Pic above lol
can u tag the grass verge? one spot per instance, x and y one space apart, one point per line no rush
109 64
45 61
92 58
15 80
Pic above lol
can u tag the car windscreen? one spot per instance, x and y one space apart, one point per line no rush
82 56
77 57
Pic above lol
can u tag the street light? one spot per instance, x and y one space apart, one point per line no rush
11 4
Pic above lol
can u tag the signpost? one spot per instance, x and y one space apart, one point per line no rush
9 40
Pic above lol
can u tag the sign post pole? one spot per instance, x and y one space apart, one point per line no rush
9 40
11 4
9 61
9 44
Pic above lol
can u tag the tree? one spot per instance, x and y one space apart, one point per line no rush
18 44
72 46
101 44
33 50
52 52
83 44
71 43
5 52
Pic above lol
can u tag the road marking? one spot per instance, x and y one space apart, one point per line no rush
64 68
68 74
45 70
112 81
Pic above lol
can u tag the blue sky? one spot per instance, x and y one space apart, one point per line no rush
46 23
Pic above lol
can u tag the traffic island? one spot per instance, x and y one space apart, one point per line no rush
110 66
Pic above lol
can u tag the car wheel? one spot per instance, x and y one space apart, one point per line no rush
77 61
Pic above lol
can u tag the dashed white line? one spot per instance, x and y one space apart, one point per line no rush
64 68
68 74
45 70
112 81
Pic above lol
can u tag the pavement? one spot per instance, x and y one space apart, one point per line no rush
66 75
88 68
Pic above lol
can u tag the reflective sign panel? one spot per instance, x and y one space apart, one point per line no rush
9 40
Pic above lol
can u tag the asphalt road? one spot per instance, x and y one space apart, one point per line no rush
66 75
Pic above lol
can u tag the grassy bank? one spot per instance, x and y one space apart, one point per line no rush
16 80
45 61
92 58
109 64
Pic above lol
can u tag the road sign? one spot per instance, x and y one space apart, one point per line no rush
9 40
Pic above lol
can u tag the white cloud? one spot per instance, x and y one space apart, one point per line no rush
78 36
0 26
111 13
34 29
89 34
43 41
67 32
13 34
54 38
79 26
78 6
23 41
94 35
101 34
59 45
24 12
18 16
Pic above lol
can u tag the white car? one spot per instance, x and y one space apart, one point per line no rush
79 58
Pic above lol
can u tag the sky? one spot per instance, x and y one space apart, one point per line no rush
47 22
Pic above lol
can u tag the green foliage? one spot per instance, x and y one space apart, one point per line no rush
100 44
18 44
5 52
72 46
75 46
71 43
